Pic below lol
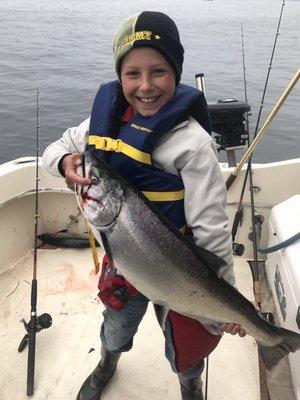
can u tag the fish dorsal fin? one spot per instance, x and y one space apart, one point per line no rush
213 261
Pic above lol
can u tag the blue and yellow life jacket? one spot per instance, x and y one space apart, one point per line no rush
128 149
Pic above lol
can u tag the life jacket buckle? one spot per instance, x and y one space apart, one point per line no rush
119 144
112 145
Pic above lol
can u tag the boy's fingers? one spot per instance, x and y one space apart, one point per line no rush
242 333
73 177
76 159
70 164
226 327
233 329
71 161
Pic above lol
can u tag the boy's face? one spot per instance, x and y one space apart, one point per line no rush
148 80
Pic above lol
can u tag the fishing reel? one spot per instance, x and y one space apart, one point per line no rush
238 249
44 321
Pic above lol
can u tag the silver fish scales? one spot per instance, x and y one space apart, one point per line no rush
166 266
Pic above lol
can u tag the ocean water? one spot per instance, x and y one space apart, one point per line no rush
67 46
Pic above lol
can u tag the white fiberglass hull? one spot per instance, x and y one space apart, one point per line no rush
67 289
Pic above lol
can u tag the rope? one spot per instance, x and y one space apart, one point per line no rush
281 245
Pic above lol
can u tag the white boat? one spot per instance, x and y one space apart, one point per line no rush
67 289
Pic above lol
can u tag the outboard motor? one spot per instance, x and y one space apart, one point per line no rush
228 118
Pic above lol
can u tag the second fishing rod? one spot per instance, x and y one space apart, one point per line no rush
257 133
238 248
44 321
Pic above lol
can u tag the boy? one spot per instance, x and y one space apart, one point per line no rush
183 166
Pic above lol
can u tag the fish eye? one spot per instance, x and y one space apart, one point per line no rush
93 177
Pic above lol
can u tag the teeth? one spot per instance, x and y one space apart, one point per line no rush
148 99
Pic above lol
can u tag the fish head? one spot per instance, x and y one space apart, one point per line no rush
102 200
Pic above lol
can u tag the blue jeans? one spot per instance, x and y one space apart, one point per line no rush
119 328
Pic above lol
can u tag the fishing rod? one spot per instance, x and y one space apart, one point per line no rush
233 176
239 248
263 130
236 246
36 323
201 86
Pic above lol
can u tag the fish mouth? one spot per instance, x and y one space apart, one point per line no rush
96 207
100 201
88 200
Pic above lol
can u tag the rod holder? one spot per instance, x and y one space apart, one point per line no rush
200 82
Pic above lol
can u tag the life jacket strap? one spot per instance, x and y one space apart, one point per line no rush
184 228
118 146
164 196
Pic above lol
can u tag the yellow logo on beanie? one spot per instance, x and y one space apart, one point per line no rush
141 35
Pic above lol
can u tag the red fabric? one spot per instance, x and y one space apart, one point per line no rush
105 263
191 340
128 114
106 292
107 286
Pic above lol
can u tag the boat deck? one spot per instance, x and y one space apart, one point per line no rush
69 350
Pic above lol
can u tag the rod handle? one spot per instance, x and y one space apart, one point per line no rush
230 180
31 355
200 82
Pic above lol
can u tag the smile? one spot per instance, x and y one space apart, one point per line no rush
148 100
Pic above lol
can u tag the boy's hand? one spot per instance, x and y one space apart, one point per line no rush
233 329
69 166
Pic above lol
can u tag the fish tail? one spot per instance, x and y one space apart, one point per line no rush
271 355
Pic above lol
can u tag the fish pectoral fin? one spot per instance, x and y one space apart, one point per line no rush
107 249
161 313
213 261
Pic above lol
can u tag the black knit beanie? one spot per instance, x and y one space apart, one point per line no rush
151 29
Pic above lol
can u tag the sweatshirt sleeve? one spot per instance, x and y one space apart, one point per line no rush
194 158
204 203
72 141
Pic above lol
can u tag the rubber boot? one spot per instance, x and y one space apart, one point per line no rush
95 383
191 389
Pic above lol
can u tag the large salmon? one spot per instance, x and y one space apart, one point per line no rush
165 265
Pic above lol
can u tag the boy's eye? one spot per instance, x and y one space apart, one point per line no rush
132 73
159 71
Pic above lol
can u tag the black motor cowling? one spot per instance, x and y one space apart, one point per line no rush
228 118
